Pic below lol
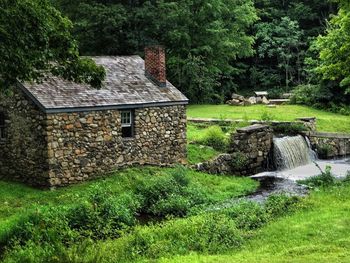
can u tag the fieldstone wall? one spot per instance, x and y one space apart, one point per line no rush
330 145
23 154
59 149
255 144
84 145
249 153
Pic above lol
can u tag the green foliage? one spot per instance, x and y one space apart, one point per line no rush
323 150
206 233
170 195
280 39
289 128
239 161
248 215
325 179
214 137
334 51
280 205
103 214
202 37
36 39
266 116
199 154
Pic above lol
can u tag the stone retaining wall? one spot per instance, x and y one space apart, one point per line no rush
330 145
310 123
249 152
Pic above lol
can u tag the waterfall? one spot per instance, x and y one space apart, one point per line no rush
291 152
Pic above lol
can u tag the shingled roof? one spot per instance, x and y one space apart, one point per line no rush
125 86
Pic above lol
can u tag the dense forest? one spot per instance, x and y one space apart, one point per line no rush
214 47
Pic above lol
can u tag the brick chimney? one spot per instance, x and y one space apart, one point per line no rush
155 65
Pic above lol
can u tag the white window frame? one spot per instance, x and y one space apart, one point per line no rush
127 121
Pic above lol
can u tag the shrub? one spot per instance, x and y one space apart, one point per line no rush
304 95
289 128
323 150
44 226
103 214
247 215
207 233
280 204
239 161
215 137
170 194
325 179
266 116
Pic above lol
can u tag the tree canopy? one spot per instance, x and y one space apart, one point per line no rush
36 39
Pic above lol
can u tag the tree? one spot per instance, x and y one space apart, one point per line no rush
280 39
334 50
36 40
203 38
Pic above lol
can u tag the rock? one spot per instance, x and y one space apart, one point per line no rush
265 101
237 97
258 100
252 100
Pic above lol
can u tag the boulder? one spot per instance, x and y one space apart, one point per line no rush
265 101
237 97
235 102
252 100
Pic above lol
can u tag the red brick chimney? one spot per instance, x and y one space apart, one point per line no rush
155 68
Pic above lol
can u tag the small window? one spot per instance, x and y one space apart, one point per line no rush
127 119
2 126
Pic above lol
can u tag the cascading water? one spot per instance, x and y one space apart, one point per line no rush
291 152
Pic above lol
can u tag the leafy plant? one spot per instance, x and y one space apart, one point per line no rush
103 214
266 116
323 150
215 137
172 194
289 128
239 161
325 179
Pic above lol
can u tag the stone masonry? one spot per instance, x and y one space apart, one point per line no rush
248 154
62 148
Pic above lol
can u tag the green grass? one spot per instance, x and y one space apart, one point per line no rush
326 121
16 199
199 153
318 233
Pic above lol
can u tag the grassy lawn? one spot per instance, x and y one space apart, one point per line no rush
319 233
326 121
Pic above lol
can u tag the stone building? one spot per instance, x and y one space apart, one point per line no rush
59 132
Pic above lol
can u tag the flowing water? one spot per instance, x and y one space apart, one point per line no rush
294 160
291 152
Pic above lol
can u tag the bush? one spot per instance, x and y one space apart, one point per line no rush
248 215
266 116
239 161
215 137
280 204
170 194
207 233
323 150
289 128
325 179
44 226
305 95
103 214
